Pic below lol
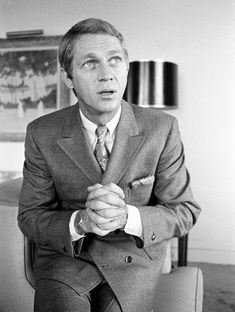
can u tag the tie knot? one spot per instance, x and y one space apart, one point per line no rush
101 131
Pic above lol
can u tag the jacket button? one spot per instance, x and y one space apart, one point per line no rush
153 237
128 259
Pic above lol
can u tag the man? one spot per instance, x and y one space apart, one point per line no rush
105 185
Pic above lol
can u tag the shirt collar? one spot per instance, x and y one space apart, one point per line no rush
111 125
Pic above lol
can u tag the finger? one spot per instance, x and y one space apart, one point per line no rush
113 200
92 227
94 187
97 204
95 193
105 201
97 230
115 189
96 218
111 213
98 189
118 223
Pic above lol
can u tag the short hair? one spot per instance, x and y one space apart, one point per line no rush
87 26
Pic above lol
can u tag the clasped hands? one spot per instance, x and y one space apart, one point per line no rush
106 210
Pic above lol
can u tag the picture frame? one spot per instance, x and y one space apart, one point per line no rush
30 83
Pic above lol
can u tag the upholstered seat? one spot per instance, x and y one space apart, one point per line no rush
180 289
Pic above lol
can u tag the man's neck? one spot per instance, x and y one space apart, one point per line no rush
100 118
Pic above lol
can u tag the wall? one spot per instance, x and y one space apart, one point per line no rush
199 36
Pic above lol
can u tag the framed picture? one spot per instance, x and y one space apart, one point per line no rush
30 83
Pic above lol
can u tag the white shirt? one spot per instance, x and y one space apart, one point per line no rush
133 224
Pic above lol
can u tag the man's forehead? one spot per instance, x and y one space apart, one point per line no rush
94 43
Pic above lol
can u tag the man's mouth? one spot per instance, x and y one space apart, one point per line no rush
107 92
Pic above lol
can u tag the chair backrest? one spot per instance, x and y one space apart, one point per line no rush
9 196
16 294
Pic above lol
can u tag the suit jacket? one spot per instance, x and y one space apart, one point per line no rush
147 162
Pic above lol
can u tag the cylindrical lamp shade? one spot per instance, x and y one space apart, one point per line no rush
152 84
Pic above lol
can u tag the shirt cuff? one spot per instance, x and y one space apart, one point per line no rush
134 223
74 235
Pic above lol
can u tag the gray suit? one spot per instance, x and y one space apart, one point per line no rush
147 162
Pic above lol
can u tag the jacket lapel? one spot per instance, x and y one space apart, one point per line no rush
75 145
127 143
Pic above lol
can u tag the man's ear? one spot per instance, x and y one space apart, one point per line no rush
68 81
127 65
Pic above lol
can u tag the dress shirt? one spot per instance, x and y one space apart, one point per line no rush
133 225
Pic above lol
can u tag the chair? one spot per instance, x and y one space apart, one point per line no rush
180 288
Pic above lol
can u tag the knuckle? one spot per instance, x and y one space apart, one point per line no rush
109 197
98 219
105 213
95 204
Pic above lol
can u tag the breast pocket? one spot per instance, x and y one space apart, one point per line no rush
140 196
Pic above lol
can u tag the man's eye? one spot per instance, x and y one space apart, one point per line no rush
115 60
90 64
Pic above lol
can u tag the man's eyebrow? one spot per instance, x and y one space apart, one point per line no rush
93 55
111 52
89 55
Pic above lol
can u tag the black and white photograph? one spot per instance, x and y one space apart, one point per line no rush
117 144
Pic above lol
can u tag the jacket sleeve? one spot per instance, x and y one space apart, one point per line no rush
41 217
174 210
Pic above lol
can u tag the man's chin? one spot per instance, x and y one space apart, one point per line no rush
108 105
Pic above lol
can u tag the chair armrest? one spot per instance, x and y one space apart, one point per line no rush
180 291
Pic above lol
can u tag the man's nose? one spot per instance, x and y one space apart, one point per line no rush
105 73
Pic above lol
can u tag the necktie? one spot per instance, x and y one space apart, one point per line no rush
101 152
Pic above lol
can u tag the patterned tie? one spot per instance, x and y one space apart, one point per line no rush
101 152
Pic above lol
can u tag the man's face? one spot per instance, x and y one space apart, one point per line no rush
99 75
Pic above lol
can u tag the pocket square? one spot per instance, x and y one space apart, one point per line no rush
143 181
